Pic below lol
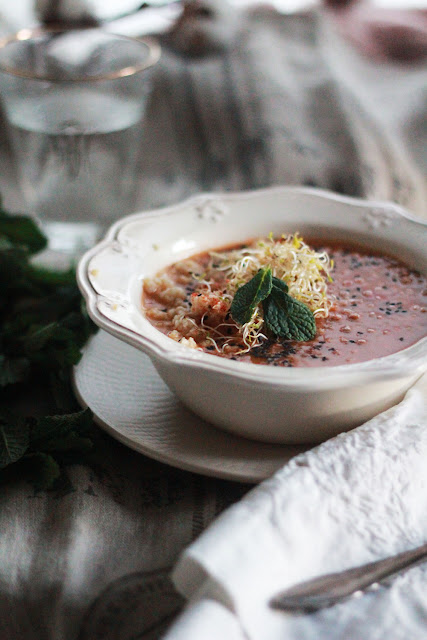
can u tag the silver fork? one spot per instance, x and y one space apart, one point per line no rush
332 588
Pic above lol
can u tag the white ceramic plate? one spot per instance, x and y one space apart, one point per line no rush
132 403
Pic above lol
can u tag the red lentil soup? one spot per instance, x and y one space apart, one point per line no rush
379 307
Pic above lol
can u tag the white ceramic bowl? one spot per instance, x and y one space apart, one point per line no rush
272 404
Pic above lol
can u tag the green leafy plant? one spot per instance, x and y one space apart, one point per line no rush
248 296
284 316
43 326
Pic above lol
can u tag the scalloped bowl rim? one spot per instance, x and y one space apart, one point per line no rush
410 361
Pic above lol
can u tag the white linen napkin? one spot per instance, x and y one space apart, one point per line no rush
354 499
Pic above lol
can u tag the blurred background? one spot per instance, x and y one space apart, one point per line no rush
16 14
331 98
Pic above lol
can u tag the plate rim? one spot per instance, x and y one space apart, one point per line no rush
178 463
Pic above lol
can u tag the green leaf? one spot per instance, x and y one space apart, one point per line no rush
70 442
70 355
62 390
248 296
12 265
38 336
43 325
280 284
14 438
13 370
61 430
5 244
52 346
43 307
23 231
42 470
288 318
45 276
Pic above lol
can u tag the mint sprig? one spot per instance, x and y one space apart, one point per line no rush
43 326
285 317
249 295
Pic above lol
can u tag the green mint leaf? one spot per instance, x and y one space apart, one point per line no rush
280 284
12 266
13 370
288 318
42 470
42 307
14 438
67 443
44 276
65 355
60 383
43 326
59 432
23 231
5 244
51 346
38 336
248 296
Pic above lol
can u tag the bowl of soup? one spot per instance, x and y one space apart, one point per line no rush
282 315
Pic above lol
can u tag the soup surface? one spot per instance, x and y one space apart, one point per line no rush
376 306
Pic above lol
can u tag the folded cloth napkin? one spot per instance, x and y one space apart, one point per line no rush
357 498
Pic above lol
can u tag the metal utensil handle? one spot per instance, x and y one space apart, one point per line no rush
329 589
